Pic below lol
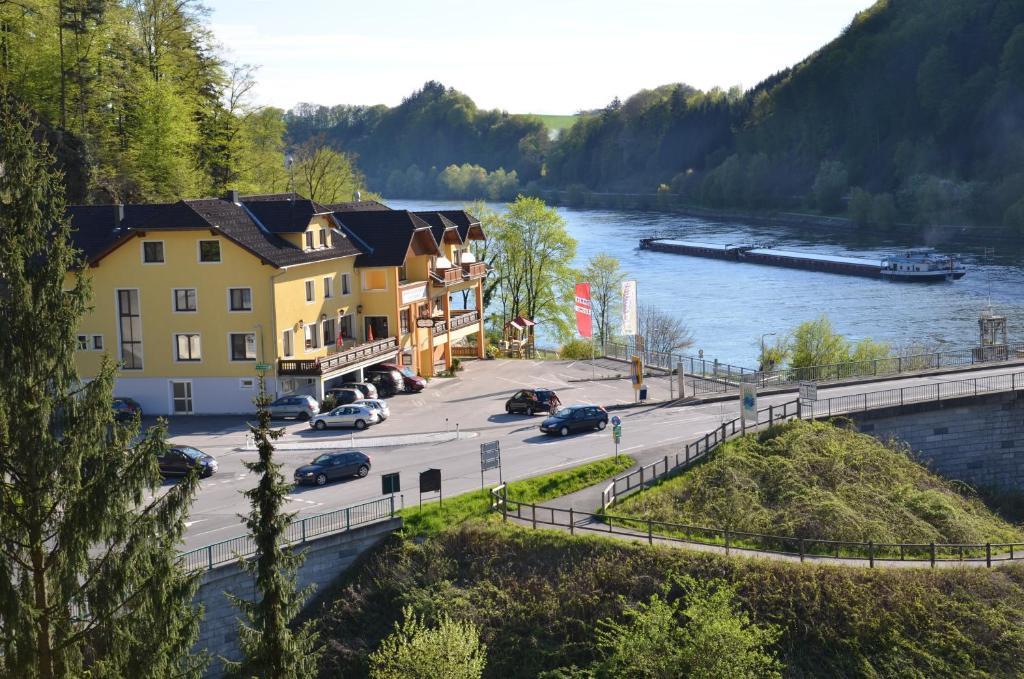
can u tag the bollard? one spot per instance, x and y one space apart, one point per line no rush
572 523
650 533
801 550
988 555
932 545
871 554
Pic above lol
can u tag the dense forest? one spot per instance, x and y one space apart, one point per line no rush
915 112
135 100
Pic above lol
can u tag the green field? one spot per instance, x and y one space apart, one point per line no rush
557 123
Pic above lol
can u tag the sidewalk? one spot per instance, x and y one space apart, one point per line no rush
352 441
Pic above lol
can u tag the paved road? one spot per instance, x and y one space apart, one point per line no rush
476 402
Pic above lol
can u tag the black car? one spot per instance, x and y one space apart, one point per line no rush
388 382
126 408
532 401
178 460
331 466
575 418
343 395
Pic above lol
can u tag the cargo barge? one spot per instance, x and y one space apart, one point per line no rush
912 265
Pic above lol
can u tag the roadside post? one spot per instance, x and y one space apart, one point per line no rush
390 484
616 434
430 482
490 458
636 374
808 396
748 403
681 376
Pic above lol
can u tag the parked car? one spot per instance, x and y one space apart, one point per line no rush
302 407
368 390
381 406
532 401
125 408
331 466
344 395
351 415
179 460
575 418
411 382
388 382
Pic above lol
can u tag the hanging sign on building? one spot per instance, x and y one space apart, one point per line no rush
628 308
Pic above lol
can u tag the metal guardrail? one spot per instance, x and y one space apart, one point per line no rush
711 376
871 552
297 532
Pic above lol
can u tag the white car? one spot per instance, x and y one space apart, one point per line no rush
383 411
351 415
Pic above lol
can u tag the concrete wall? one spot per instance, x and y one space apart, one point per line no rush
326 559
979 440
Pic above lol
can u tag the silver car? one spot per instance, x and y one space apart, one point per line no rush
383 411
351 415
302 407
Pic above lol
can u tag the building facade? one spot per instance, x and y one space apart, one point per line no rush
192 298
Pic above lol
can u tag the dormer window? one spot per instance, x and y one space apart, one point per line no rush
309 240
323 238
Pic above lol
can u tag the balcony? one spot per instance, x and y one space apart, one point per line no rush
337 361
473 270
461 320
442 278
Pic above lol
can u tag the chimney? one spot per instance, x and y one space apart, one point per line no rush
232 196
118 215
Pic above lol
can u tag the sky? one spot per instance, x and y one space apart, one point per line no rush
528 56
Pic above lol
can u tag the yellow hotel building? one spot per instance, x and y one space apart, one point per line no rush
189 297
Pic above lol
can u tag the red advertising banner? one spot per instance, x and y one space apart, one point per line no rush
584 321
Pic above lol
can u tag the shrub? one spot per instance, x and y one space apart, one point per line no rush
493 351
452 650
456 365
328 403
576 349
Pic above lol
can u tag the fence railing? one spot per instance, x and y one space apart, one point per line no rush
711 376
649 529
297 532
836 405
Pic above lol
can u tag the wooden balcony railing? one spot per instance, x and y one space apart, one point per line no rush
464 319
473 270
442 278
332 362
440 328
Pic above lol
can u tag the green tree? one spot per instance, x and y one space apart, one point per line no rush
829 186
817 343
605 278
270 648
533 257
325 175
161 146
89 576
451 650
860 207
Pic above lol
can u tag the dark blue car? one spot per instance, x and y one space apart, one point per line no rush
332 466
575 418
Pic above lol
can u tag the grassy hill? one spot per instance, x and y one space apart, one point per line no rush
555 123
818 481
537 596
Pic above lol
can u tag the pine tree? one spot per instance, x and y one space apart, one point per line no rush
89 579
270 648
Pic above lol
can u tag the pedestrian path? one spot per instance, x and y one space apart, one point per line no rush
353 441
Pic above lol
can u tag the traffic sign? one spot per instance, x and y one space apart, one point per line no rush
808 392
616 420
262 367
490 456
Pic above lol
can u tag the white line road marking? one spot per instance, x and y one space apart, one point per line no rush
189 524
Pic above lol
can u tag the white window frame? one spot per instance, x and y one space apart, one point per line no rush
199 250
311 337
93 344
323 327
174 301
324 237
288 343
174 347
346 284
163 252
328 287
170 397
82 343
256 349
240 311
341 321
308 240
310 290
117 319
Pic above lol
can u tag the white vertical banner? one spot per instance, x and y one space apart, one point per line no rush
748 404
629 308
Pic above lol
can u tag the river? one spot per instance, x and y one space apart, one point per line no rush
728 305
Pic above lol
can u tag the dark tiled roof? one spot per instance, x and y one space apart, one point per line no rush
383 235
438 224
463 220
287 214
95 234
357 206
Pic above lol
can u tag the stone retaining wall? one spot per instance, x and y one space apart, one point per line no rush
979 440
326 558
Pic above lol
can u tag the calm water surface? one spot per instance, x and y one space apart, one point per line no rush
727 305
